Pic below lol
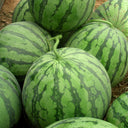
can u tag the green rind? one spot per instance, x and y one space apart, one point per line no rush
107 44
10 99
76 79
118 112
115 11
81 122
22 12
61 15
21 43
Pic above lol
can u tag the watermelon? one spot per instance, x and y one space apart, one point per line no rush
108 44
10 99
81 122
61 16
115 11
118 112
65 76
21 12
21 43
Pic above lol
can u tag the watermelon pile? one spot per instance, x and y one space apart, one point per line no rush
59 61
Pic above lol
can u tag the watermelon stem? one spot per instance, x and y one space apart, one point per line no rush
57 40
101 20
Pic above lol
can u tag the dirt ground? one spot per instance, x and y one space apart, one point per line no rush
6 18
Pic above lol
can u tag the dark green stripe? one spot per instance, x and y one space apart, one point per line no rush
12 62
119 62
19 8
11 78
10 110
35 44
67 13
57 96
125 19
18 50
31 5
38 96
10 84
118 115
85 13
99 92
125 65
57 7
76 100
119 3
42 8
32 30
90 43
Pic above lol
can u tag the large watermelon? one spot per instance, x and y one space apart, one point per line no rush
81 122
107 44
21 43
63 83
10 99
21 12
115 11
118 111
61 15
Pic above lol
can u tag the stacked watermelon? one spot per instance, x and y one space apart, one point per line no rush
115 11
106 43
60 78
10 99
21 43
81 122
67 86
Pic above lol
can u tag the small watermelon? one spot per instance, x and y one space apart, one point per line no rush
64 83
61 15
106 43
21 43
81 122
115 11
21 12
10 99
118 112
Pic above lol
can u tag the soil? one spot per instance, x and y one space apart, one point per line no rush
6 13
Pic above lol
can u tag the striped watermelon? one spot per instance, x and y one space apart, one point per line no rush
21 12
81 122
66 76
61 15
107 44
10 99
21 43
115 11
118 112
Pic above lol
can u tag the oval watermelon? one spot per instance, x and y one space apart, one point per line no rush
66 76
115 11
118 112
81 122
10 99
107 44
21 43
61 15
21 12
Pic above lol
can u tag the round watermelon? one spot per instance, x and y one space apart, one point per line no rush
64 83
118 112
21 43
108 44
61 15
115 11
10 99
21 12
81 122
